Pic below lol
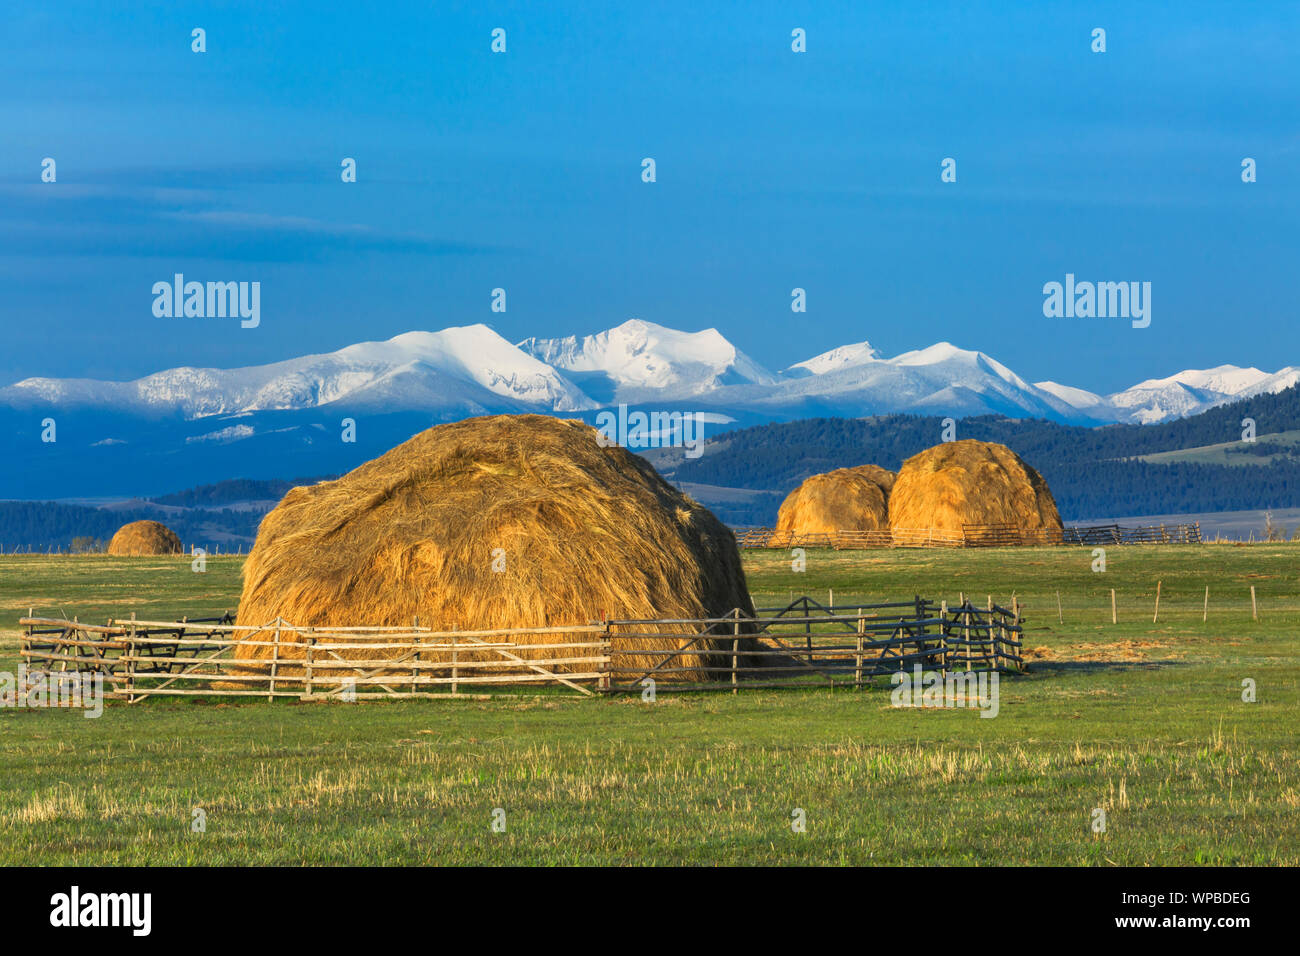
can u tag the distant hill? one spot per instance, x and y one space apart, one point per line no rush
222 516
185 426
52 525
235 490
1092 471
1193 465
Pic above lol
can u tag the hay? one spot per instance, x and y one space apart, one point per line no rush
144 538
970 483
585 532
847 499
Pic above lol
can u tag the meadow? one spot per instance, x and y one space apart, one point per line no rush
1144 721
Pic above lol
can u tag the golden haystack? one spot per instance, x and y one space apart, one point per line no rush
847 499
577 532
968 482
144 538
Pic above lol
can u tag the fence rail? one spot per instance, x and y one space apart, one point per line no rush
803 643
141 659
1143 534
970 536
808 644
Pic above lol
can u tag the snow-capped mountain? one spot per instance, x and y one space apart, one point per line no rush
846 356
639 361
942 379
471 370
1194 390
1279 380
1147 403
1078 398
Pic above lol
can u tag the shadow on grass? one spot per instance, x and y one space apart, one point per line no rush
1089 667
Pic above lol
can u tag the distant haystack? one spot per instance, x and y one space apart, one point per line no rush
847 499
144 538
496 522
960 483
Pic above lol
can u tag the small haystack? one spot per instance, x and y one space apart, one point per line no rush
968 482
502 521
144 538
847 499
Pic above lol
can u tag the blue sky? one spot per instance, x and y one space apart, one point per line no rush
775 170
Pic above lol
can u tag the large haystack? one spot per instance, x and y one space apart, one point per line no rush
584 532
847 499
960 483
144 538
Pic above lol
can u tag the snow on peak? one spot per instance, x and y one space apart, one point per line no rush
467 366
471 369
640 355
1225 379
1078 397
1192 391
846 356
960 361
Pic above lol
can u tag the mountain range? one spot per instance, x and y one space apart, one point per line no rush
187 425
470 370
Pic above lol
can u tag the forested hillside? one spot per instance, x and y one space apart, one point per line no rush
1092 471
44 525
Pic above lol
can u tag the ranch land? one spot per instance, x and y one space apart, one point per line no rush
1144 721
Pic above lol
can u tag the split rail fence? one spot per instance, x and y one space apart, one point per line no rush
971 536
801 644
808 644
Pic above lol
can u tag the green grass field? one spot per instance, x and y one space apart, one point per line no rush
1145 721
1223 452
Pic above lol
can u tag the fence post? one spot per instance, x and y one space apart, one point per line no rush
735 647
857 661
993 641
943 636
455 670
1003 637
308 659
807 626
1015 622
1254 608
415 664
1156 616
607 646
1205 611
130 663
965 627
1114 619
275 659
26 651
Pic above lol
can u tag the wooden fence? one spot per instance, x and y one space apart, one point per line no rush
1143 534
971 536
803 643
897 538
808 644
196 658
